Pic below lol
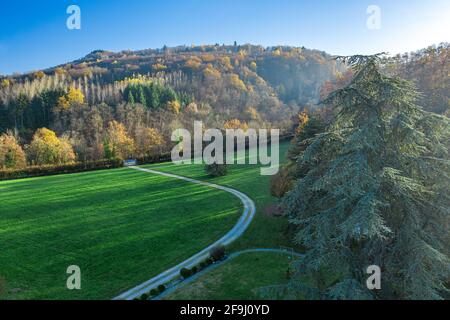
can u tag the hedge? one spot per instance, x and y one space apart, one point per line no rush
47 170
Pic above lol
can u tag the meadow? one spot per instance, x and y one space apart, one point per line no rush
122 226
242 277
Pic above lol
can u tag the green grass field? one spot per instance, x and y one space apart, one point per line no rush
121 227
239 279
265 231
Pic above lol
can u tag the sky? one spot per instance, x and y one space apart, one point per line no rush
34 35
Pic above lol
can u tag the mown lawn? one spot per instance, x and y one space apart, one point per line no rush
241 278
265 231
238 278
121 227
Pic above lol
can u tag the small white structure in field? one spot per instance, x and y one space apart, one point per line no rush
130 163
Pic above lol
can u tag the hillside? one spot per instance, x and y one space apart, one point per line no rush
141 97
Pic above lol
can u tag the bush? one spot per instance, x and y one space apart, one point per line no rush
194 270
217 253
203 265
161 288
185 273
144 296
153 292
216 170
281 183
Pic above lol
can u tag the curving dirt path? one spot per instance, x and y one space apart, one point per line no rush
232 235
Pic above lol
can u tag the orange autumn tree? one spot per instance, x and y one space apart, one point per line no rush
12 155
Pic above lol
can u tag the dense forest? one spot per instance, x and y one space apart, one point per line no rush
127 104
100 102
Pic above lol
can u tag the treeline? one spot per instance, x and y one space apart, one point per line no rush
228 81
429 69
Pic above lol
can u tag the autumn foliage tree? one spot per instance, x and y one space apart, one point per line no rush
148 140
12 155
72 97
118 144
235 124
47 148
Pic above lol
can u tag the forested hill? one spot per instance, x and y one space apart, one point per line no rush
247 83
294 74
153 92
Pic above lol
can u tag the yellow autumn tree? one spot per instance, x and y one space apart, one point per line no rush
73 97
174 106
5 83
148 140
12 155
211 73
118 144
277 52
237 82
193 63
47 148
39 74
159 67
235 124
208 58
60 71
303 119
226 63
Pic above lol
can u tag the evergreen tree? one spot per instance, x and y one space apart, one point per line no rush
142 98
375 191
131 98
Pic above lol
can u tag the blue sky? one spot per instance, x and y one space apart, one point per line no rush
33 34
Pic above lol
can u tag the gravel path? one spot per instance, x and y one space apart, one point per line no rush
174 272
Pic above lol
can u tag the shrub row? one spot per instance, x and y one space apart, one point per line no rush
47 170
159 158
216 254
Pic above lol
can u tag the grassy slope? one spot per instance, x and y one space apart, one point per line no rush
120 226
239 278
